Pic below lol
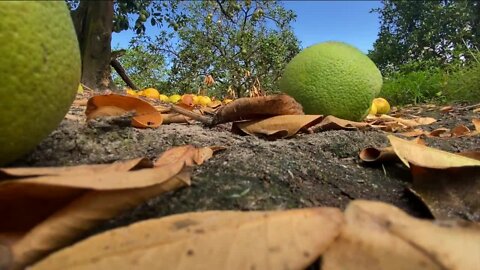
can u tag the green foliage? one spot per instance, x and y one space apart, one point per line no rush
144 67
239 43
422 34
155 12
464 84
414 87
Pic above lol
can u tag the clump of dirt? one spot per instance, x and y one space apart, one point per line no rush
320 169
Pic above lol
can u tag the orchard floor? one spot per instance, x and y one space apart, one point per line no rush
320 169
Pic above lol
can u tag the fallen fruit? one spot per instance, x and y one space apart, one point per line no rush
382 105
373 109
204 100
174 98
131 92
332 78
151 93
163 98
39 70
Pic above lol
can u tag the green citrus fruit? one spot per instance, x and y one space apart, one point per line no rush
332 78
39 72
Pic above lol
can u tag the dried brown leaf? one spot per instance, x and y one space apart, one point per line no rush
281 126
290 239
257 108
114 105
421 155
460 131
448 193
380 236
64 202
413 133
439 132
175 118
334 123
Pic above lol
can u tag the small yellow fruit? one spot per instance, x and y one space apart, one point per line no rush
163 98
140 93
382 105
373 109
151 93
174 98
227 100
131 92
196 100
204 100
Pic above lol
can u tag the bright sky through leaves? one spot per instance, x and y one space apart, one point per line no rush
317 21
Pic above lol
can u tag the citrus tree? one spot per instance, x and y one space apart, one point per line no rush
243 45
96 20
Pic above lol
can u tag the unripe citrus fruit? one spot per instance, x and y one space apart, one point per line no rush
39 72
332 78
382 105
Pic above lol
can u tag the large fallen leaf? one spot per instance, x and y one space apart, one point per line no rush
209 240
44 209
114 105
256 108
379 236
421 155
448 193
331 122
276 127
448 183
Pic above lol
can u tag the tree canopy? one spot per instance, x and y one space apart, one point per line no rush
241 44
421 34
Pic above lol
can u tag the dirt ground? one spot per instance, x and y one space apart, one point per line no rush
320 169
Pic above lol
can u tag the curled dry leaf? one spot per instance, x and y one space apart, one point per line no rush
49 208
439 132
290 239
460 131
114 105
170 118
380 236
381 155
281 126
378 155
257 108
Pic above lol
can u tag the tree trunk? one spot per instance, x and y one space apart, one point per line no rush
93 22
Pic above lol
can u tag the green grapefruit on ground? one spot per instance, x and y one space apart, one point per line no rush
332 78
39 72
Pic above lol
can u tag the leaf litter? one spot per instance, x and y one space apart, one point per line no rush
474 248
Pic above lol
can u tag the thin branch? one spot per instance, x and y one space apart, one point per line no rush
195 116
224 11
